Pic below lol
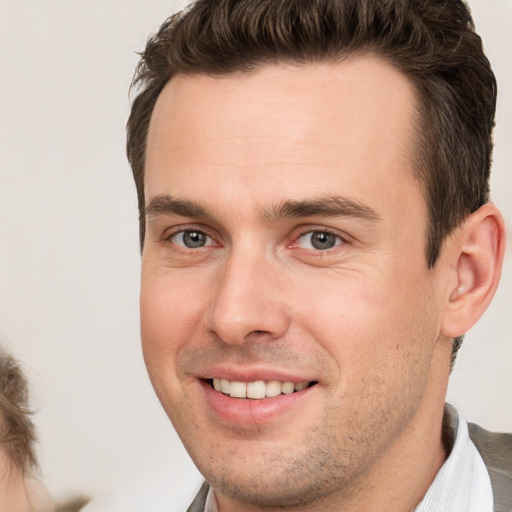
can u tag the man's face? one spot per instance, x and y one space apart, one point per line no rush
285 242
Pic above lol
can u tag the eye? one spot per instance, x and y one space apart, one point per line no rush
191 239
319 240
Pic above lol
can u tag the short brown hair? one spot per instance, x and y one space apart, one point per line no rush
17 433
433 42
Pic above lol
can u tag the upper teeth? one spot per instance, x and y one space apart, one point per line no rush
257 389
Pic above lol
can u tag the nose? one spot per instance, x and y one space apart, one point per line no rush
248 303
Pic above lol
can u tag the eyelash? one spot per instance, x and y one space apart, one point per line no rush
170 237
340 240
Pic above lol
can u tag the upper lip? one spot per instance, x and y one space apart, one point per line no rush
251 374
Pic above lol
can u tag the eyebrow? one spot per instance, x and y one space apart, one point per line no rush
167 205
331 206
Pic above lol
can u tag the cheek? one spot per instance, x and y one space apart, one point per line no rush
382 340
164 331
169 318
371 322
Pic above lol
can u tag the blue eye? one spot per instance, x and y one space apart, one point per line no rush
191 239
319 240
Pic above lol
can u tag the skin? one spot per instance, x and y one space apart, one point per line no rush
20 492
365 319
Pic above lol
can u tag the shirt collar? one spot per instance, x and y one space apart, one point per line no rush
211 502
462 484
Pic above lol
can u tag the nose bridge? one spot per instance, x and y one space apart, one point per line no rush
247 303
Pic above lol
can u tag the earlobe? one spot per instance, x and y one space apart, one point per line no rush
479 250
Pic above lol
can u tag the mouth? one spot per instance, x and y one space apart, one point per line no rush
265 400
259 389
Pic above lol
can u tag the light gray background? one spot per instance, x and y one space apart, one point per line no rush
69 244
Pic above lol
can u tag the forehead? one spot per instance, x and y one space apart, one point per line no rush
283 128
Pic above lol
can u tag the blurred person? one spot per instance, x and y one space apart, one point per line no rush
20 487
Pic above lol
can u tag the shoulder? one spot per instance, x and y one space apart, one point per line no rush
495 448
496 451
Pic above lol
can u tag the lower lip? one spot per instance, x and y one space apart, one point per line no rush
248 411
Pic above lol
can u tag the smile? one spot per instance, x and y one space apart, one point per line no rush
258 389
245 403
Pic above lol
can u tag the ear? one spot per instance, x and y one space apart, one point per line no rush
476 251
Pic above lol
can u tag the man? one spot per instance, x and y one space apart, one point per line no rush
317 238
